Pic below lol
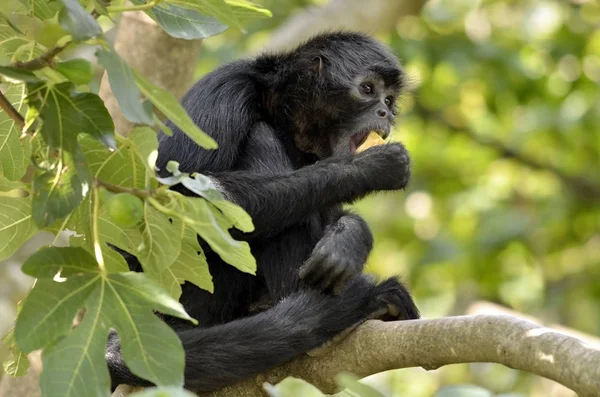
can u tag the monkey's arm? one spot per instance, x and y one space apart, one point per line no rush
277 197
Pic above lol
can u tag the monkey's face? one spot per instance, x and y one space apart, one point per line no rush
341 97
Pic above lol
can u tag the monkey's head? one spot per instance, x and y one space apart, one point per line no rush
330 92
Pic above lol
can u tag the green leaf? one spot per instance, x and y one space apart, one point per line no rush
74 363
58 191
122 83
16 363
129 240
185 23
16 224
212 8
79 71
42 9
190 265
76 20
145 144
204 187
7 186
162 392
68 261
16 75
161 241
67 113
213 227
293 387
120 167
170 107
248 10
14 149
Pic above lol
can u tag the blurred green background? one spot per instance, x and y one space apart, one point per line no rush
503 124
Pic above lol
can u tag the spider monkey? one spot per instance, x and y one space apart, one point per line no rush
288 125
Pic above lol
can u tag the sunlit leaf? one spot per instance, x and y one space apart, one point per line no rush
161 241
14 149
16 224
190 265
122 84
42 9
245 9
145 144
7 185
184 23
67 113
74 362
170 107
76 20
212 8
213 226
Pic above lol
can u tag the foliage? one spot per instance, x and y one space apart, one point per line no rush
62 168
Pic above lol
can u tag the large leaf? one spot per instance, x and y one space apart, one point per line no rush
129 240
16 224
74 363
76 20
14 149
7 185
120 167
245 9
67 113
293 387
204 187
161 241
42 9
190 265
58 191
122 83
213 8
170 107
213 226
145 144
184 23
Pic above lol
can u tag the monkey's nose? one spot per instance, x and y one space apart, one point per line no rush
382 113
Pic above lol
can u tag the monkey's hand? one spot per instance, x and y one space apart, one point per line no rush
384 167
339 256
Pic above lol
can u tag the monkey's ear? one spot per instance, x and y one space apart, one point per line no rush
318 64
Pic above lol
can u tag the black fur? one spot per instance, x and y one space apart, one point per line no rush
287 126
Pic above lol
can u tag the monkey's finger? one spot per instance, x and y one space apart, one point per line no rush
330 279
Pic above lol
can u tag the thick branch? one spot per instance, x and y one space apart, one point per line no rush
377 346
374 16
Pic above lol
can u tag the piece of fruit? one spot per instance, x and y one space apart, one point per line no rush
373 139
125 209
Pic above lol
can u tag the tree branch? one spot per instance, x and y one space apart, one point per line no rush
43 60
377 346
11 111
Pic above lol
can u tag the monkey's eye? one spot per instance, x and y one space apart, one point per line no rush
388 101
367 88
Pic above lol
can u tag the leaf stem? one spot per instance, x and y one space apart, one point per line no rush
11 111
141 7
43 60
143 194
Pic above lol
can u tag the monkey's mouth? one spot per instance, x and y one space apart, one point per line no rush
360 137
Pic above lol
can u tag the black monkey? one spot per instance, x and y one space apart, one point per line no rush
288 126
